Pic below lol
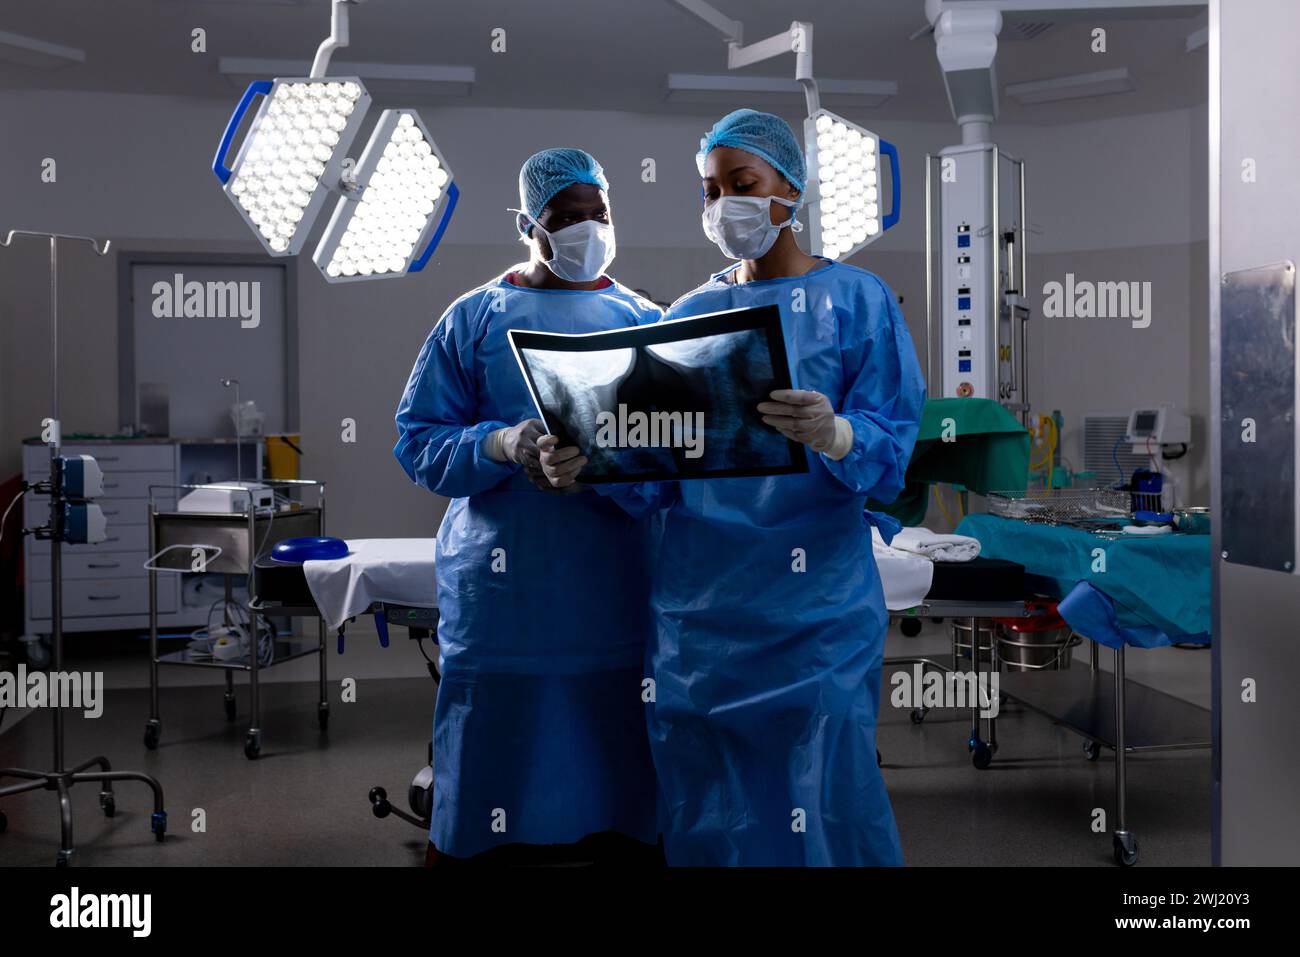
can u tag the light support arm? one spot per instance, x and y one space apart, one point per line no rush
796 40
733 31
337 39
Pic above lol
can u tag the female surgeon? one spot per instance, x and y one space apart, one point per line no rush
770 616
539 730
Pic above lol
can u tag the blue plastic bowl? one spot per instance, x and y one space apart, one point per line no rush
308 549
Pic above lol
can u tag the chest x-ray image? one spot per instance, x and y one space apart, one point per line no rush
672 400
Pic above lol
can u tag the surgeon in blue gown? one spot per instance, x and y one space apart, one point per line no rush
539 730
770 616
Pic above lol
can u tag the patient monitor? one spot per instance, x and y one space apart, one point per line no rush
1154 426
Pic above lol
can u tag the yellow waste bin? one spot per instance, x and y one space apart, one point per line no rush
282 454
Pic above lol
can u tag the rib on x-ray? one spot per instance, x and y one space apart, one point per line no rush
673 400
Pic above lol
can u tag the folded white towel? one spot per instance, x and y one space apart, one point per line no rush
905 577
937 548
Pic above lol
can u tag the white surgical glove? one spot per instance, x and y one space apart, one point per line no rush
518 443
806 416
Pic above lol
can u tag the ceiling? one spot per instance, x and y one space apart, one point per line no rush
596 54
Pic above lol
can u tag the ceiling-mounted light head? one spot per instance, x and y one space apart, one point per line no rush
844 161
403 193
292 155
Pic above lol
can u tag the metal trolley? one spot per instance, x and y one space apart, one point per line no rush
228 543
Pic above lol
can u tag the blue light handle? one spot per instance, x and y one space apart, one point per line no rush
219 167
895 194
453 194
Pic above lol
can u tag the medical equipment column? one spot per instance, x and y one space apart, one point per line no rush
60 779
995 284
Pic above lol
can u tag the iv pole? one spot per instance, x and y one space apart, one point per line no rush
61 779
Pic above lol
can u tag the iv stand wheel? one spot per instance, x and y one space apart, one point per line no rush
379 803
981 754
107 803
1125 848
253 745
918 715
152 733
1091 750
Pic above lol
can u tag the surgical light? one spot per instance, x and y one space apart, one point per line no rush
291 156
402 184
295 153
844 160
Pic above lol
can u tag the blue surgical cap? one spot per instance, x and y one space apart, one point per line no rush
766 136
546 173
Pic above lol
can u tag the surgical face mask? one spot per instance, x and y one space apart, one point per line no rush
581 252
742 225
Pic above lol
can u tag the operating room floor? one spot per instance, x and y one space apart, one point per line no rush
304 802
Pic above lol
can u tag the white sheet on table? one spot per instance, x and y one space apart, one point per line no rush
906 577
937 547
375 569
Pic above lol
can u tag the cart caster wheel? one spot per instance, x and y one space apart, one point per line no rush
152 733
107 803
910 627
1125 848
323 717
4 823
981 756
158 824
918 715
379 802
1091 750
253 745
230 707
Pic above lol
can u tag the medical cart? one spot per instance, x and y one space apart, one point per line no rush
229 544
1155 593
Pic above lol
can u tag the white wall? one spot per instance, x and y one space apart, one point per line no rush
139 167
1120 199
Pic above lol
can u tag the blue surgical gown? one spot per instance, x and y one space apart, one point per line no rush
539 729
771 620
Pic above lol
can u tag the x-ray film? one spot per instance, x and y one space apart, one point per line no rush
670 400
